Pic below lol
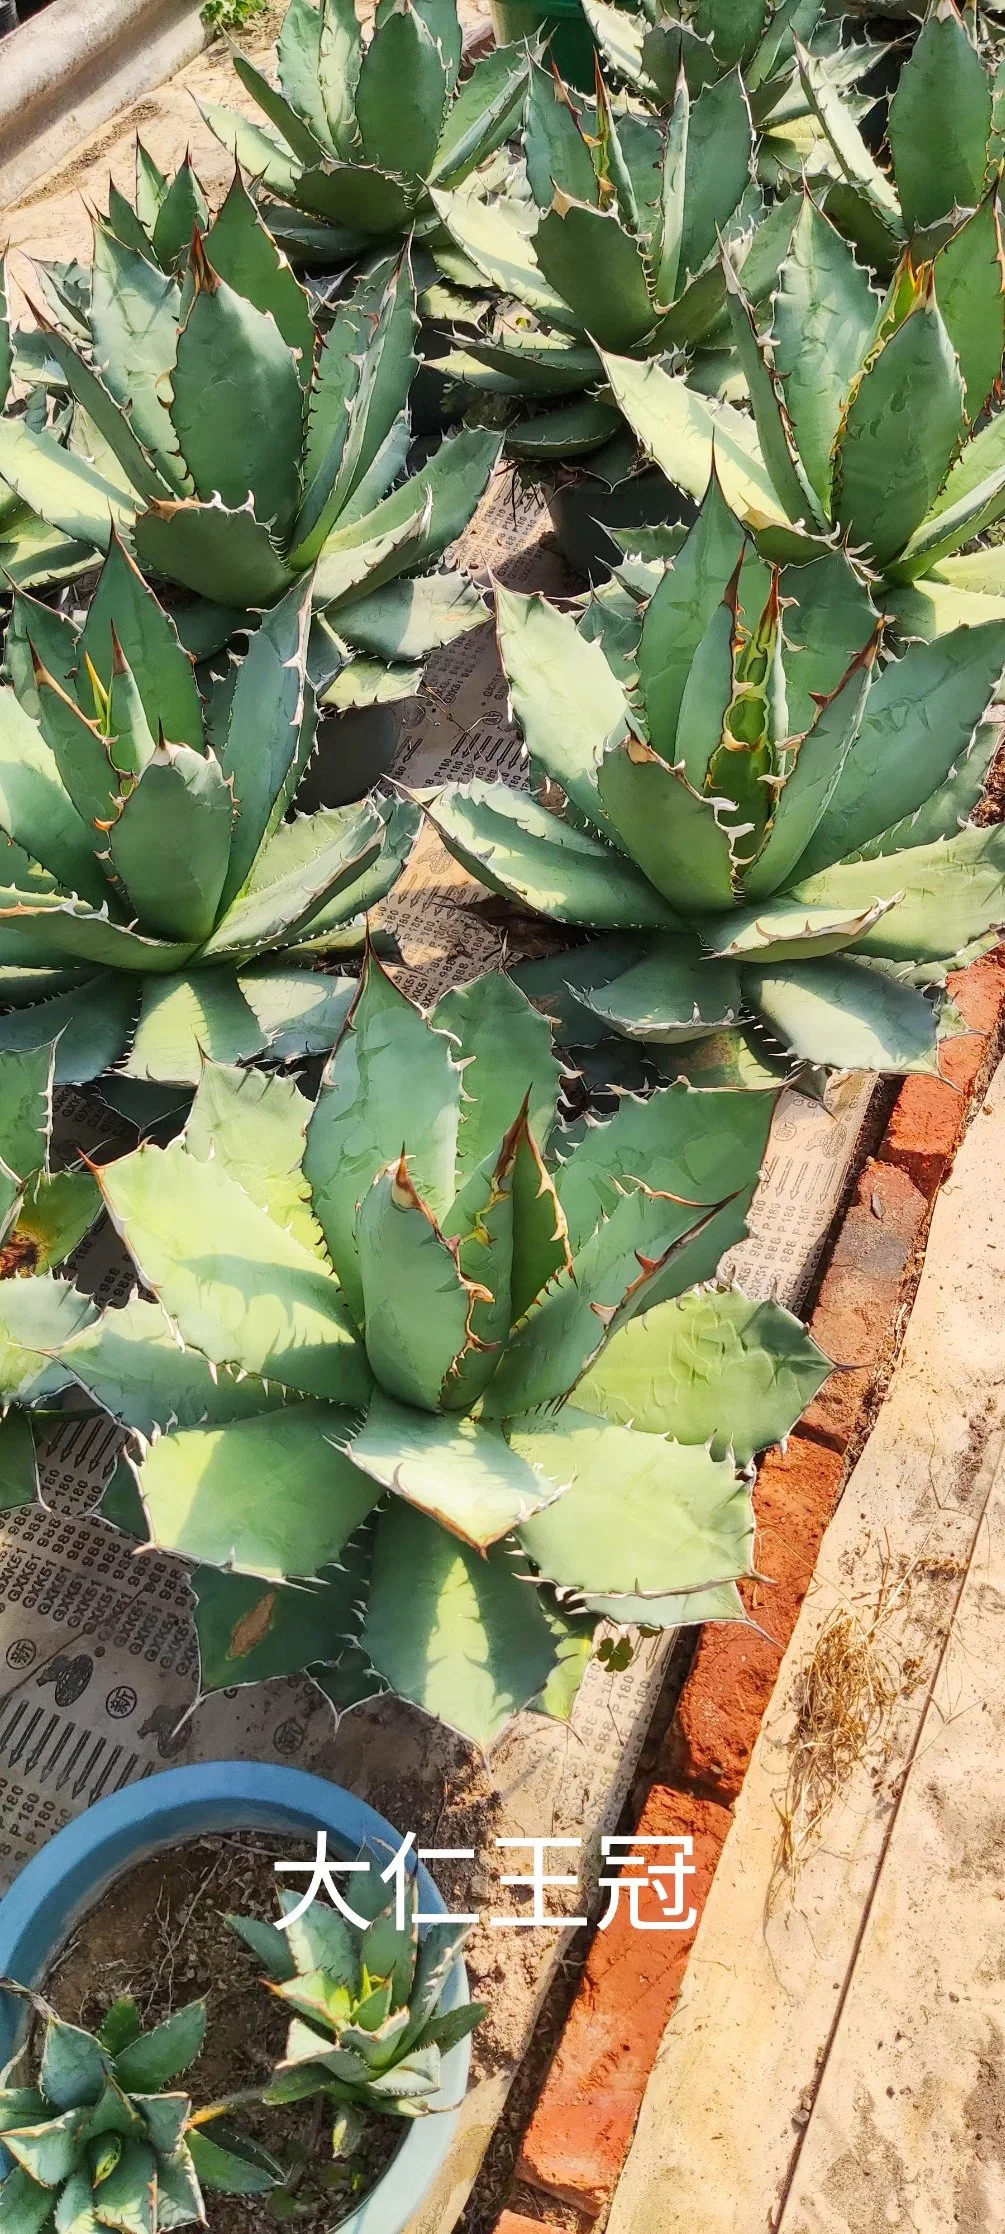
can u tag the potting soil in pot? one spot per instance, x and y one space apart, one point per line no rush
159 1935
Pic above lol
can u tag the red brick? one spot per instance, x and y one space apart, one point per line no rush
856 1315
735 1670
514 2222
580 2133
929 1116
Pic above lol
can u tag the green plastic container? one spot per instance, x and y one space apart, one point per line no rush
563 22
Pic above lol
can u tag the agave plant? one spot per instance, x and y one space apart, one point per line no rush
102 2140
864 417
244 459
621 253
156 906
346 164
648 48
779 822
381 1392
366 2028
945 140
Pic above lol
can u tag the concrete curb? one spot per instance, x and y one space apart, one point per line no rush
583 2124
68 70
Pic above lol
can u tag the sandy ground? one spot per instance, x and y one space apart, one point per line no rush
53 221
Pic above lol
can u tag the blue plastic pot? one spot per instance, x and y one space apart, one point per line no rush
73 1872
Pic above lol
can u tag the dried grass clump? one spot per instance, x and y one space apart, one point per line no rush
842 1698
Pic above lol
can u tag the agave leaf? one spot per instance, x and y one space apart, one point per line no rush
684 435
261 155
67 492
379 396
417 1306
149 643
557 153
350 562
495 238
970 288
679 613
844 1014
459 1471
34 802
397 138
26 1118
113 424
391 1081
822 318
482 115
215 552
91 1026
170 842
82 754
570 430
37 1315
311 1347
921 715
669 995
238 404
949 806
681 1518
630 1259
713 1368
339 359
803 799
56 1216
299 61
274 1496
698 1146
362 205
938 897
619 37
154 2057
857 166
187 1019
339 55
943 100
792 930
55 640
280 112
771 418
18 1469
134 317
597 267
669 829
183 209
455 1632
251 1632
564 696
264 729
505 1048
225 2171
304 864
410 619
890 463
444 492
256 1126
718 161
517 847
130 1362
241 250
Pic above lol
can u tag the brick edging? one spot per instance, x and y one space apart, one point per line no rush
585 2117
